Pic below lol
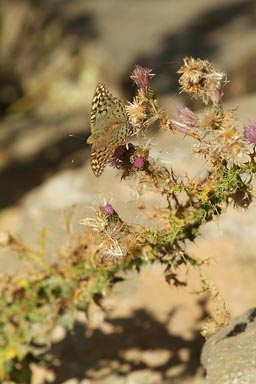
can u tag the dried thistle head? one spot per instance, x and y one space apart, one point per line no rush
220 139
210 120
141 77
165 122
136 112
143 112
109 229
227 134
105 216
201 80
225 144
229 142
184 119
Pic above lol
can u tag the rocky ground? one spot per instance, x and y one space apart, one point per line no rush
152 334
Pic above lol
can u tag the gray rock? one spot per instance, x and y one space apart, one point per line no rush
229 356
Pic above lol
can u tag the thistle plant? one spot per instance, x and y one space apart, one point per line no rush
229 160
92 260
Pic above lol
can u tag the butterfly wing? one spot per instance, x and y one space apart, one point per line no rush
102 102
109 127
99 158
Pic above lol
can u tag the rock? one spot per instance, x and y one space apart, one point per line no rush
229 356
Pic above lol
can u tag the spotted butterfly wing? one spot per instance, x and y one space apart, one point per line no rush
109 127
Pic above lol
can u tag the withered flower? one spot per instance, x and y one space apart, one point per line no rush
141 77
185 119
250 132
201 80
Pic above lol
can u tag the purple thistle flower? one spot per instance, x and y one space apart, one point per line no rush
121 155
138 162
129 159
108 209
108 214
250 132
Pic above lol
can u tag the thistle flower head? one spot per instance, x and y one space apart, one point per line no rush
136 112
210 120
227 143
250 132
108 213
121 156
138 162
109 229
105 216
107 209
129 159
200 79
214 91
228 133
141 77
185 119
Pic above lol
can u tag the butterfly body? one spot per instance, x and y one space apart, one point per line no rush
109 127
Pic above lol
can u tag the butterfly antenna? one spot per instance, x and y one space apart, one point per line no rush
78 137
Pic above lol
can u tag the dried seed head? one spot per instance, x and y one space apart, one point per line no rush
200 79
185 119
141 77
210 120
136 112
228 133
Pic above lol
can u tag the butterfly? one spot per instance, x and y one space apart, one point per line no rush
109 127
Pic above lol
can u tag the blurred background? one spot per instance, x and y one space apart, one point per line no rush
53 54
